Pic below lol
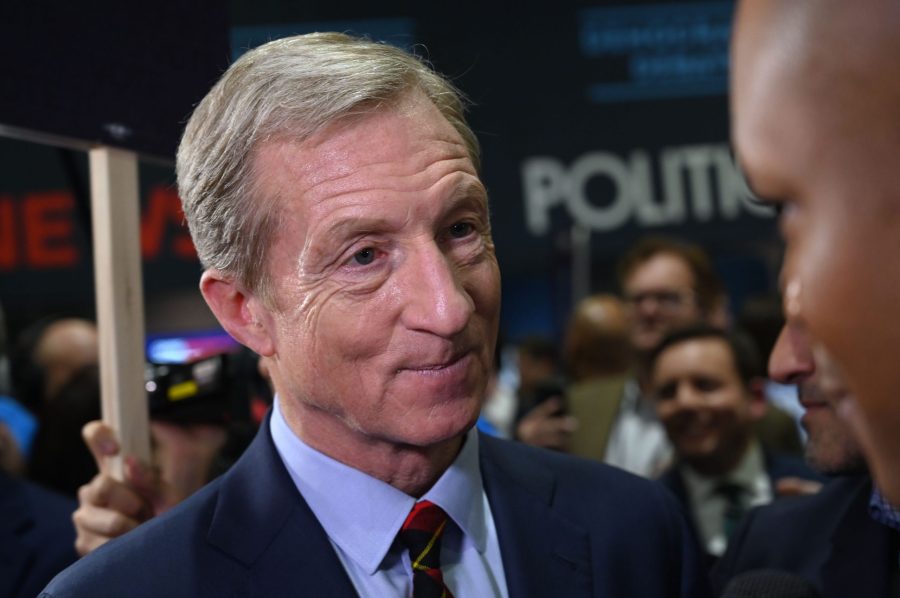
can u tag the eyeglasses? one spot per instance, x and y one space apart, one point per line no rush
663 299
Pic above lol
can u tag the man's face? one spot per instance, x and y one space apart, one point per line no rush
813 129
386 287
660 297
65 348
830 447
706 409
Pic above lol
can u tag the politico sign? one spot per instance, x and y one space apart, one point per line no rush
678 185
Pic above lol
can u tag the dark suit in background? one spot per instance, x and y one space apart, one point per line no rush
567 527
777 467
828 538
37 538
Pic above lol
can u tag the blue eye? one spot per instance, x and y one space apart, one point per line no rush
460 230
365 256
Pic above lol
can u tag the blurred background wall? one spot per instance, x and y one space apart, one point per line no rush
600 122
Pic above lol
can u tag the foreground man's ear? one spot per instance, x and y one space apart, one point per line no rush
240 312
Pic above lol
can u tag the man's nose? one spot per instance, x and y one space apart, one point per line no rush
437 301
791 361
647 306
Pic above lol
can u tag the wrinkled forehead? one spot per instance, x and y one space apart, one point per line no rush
331 151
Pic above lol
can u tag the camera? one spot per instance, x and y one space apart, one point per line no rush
197 377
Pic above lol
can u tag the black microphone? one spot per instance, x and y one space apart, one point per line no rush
769 583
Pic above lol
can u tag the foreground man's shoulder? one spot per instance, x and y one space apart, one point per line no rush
628 533
145 561
574 476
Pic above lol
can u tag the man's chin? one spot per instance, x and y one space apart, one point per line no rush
439 430
835 465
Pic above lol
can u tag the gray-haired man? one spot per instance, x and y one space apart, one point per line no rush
332 190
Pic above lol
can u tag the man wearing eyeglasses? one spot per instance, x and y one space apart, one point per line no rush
666 284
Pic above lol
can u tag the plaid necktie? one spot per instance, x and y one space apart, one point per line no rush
421 534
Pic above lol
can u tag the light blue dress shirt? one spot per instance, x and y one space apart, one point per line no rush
362 516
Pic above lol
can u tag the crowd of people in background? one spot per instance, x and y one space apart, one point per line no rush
656 380
53 446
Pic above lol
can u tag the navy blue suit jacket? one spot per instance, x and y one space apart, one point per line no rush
827 538
567 527
37 537
777 467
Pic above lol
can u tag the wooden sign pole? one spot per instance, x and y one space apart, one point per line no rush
115 208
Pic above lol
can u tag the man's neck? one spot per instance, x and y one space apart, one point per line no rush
641 371
410 469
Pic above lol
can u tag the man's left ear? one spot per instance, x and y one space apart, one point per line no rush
240 312
758 402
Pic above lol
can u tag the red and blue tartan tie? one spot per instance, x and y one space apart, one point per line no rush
421 534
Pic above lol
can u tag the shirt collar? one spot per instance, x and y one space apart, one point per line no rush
631 394
882 511
459 491
362 514
750 475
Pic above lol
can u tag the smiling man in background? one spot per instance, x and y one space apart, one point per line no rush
708 389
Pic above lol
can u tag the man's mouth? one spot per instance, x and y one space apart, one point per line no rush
438 365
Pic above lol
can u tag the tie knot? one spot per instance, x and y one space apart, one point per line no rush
425 516
731 492
735 507
421 532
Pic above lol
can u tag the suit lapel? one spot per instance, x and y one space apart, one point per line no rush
16 517
262 521
861 560
543 553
